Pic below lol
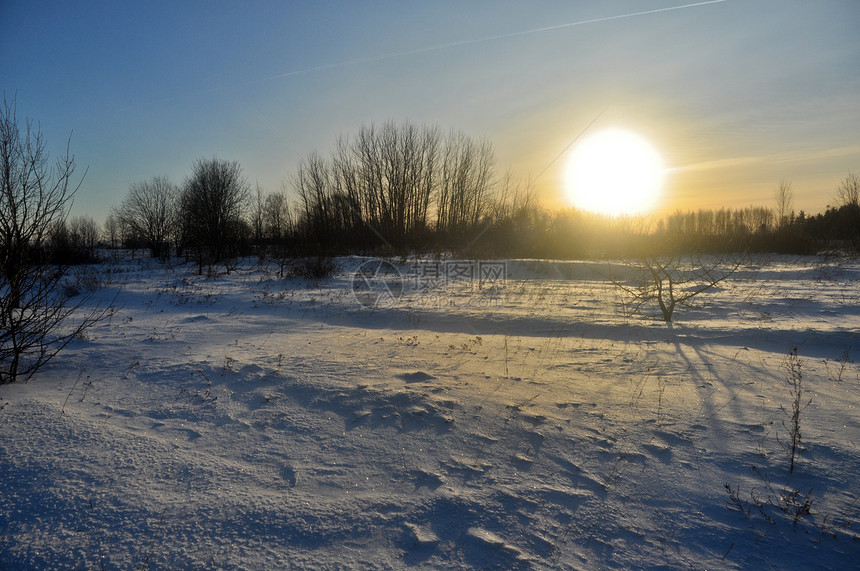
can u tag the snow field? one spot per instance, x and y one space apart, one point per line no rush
248 422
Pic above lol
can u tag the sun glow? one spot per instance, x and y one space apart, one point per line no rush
614 172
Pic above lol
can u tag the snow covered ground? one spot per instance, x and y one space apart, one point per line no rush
251 422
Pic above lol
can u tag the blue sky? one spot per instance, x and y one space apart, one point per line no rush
736 94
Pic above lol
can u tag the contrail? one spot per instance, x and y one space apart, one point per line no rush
428 49
417 51
271 128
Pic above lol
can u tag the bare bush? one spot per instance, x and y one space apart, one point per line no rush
794 367
315 267
770 499
671 281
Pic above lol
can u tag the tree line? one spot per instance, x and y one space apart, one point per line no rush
397 188
392 188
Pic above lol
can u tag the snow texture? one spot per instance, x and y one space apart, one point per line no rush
250 422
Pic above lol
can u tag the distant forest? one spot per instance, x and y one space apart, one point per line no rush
395 189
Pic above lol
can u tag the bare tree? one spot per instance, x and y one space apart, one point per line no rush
313 186
385 183
848 193
671 281
36 317
784 196
212 204
112 231
149 213
466 181
84 236
277 220
510 198
395 178
277 227
257 214
356 197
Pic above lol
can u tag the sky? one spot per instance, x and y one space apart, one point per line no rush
737 95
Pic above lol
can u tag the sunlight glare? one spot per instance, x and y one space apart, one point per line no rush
614 172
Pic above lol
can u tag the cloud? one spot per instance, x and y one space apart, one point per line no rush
776 158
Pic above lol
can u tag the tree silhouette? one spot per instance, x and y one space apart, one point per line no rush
36 314
212 205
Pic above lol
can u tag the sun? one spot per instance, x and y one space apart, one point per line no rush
614 172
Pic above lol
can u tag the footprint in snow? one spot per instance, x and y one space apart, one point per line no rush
289 474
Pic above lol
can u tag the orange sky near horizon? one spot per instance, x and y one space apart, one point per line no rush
724 171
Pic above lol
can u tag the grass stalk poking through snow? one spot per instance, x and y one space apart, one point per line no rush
794 366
